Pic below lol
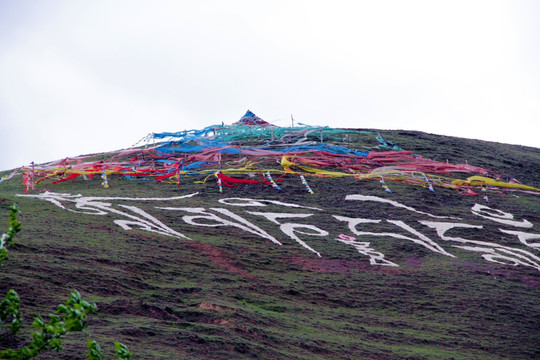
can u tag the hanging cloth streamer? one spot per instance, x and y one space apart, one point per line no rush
26 181
481 180
72 176
13 173
227 180
178 165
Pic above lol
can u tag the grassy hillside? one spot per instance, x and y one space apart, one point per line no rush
170 287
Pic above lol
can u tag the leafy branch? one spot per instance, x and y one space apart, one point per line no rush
6 239
94 351
9 306
9 310
69 317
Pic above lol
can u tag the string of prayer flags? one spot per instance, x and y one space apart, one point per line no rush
105 182
430 186
272 182
308 188
385 187
218 173
484 191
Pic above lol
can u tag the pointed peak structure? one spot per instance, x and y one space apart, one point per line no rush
250 119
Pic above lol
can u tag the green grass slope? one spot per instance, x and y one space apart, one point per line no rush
230 292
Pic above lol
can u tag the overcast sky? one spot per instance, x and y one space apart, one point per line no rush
80 77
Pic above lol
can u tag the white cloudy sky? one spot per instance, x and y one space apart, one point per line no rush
80 76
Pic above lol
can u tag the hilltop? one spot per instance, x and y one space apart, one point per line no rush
410 246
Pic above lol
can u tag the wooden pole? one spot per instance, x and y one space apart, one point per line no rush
33 178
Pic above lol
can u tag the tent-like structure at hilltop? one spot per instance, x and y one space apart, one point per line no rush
251 119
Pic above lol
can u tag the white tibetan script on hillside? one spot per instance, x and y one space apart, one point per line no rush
296 222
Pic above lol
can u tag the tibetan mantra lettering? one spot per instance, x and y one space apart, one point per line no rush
295 222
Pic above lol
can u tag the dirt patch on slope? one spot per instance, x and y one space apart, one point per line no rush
219 258
342 266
